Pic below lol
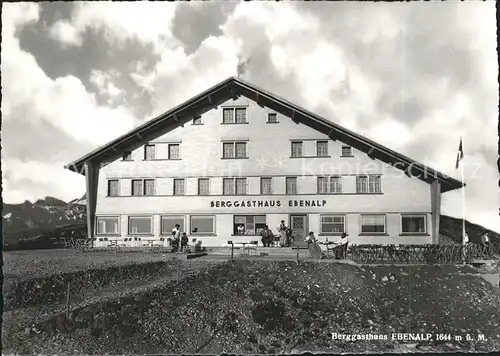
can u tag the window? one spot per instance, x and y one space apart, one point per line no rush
173 151
241 186
143 187
374 185
234 150
228 116
107 225
241 149
329 185
241 115
291 185
413 224
140 225
202 224
234 116
332 224
373 224
228 150
335 185
252 224
228 186
322 148
323 185
234 186
368 184
137 186
149 152
113 188
178 186
266 186
296 149
346 151
272 118
168 223
127 156
203 186
197 120
149 187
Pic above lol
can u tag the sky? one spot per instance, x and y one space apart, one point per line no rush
412 76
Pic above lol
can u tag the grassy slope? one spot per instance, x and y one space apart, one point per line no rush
268 307
21 265
452 228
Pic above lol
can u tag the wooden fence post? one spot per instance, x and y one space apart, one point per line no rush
68 299
232 249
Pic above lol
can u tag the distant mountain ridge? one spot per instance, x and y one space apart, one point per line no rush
22 220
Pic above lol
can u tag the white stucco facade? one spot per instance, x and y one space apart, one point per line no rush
391 208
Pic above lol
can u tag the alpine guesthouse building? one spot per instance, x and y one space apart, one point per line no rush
238 155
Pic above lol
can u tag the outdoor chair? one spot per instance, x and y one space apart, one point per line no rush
252 246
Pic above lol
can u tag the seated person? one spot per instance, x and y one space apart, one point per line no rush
340 246
267 236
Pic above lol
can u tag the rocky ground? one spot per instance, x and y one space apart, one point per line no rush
255 306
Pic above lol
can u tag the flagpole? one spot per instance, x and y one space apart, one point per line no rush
463 191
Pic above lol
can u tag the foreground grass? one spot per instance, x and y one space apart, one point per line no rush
28 264
272 307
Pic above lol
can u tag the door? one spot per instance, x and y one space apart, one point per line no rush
298 223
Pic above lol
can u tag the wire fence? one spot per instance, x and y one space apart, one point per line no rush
425 254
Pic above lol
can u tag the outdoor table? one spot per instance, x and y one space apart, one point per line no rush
148 243
114 244
244 244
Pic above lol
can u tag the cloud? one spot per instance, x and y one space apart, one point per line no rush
103 82
34 104
43 179
38 143
144 21
197 20
215 60
64 102
65 33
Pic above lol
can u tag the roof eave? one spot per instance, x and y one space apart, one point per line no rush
76 165
449 183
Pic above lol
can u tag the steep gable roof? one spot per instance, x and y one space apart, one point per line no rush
235 87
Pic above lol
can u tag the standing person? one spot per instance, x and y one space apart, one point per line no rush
313 246
466 239
311 238
184 241
289 237
465 247
344 243
282 229
485 240
176 236
241 230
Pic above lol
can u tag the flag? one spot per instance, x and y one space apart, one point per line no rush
460 154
